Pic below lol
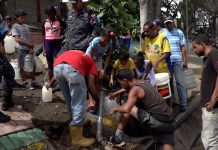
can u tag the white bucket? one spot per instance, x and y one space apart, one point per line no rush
163 85
9 44
14 64
46 94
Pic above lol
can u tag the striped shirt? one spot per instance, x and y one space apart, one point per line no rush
176 39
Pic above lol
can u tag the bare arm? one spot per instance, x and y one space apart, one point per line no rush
112 77
147 70
2 49
183 49
24 42
131 101
213 100
92 88
162 57
117 92
107 59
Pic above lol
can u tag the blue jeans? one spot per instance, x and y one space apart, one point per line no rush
178 73
73 87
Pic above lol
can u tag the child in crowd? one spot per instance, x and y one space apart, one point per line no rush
144 69
123 62
97 49
24 46
52 32
9 22
126 37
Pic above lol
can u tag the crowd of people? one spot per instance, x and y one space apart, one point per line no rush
79 63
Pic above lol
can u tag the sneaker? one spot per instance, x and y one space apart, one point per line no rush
35 85
6 106
117 140
4 118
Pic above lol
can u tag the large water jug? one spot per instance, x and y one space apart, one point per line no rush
189 79
46 94
28 63
16 69
39 65
9 43
109 104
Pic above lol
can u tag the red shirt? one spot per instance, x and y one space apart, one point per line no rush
79 60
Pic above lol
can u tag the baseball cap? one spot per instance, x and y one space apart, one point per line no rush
157 22
74 1
19 12
169 19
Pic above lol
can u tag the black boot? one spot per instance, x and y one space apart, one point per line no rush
4 118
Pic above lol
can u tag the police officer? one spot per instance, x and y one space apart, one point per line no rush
7 72
82 27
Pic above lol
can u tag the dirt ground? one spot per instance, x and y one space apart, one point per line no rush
53 118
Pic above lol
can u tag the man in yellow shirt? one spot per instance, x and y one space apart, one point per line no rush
157 49
123 62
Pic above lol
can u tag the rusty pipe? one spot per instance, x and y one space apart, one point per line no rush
99 135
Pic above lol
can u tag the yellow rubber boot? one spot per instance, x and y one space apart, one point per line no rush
77 138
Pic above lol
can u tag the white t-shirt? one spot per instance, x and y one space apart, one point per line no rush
150 77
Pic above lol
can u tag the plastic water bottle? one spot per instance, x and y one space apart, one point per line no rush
28 63
109 104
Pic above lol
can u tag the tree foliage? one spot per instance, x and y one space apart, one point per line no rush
119 14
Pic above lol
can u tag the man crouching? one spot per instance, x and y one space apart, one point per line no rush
146 105
70 69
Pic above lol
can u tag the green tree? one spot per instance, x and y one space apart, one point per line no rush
119 14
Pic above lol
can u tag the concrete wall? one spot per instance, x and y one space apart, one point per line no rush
30 8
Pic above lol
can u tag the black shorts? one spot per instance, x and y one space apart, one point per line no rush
163 132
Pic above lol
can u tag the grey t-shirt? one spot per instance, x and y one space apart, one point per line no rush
23 32
153 103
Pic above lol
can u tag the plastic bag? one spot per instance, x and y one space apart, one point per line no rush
39 65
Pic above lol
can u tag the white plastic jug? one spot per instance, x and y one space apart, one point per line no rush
189 79
109 104
16 69
28 63
9 43
39 65
163 85
46 94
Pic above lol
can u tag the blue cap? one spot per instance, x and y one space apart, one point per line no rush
157 22
169 19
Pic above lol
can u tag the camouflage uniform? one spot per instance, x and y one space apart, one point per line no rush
81 29
6 71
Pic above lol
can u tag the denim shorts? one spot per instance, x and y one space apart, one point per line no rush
21 53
